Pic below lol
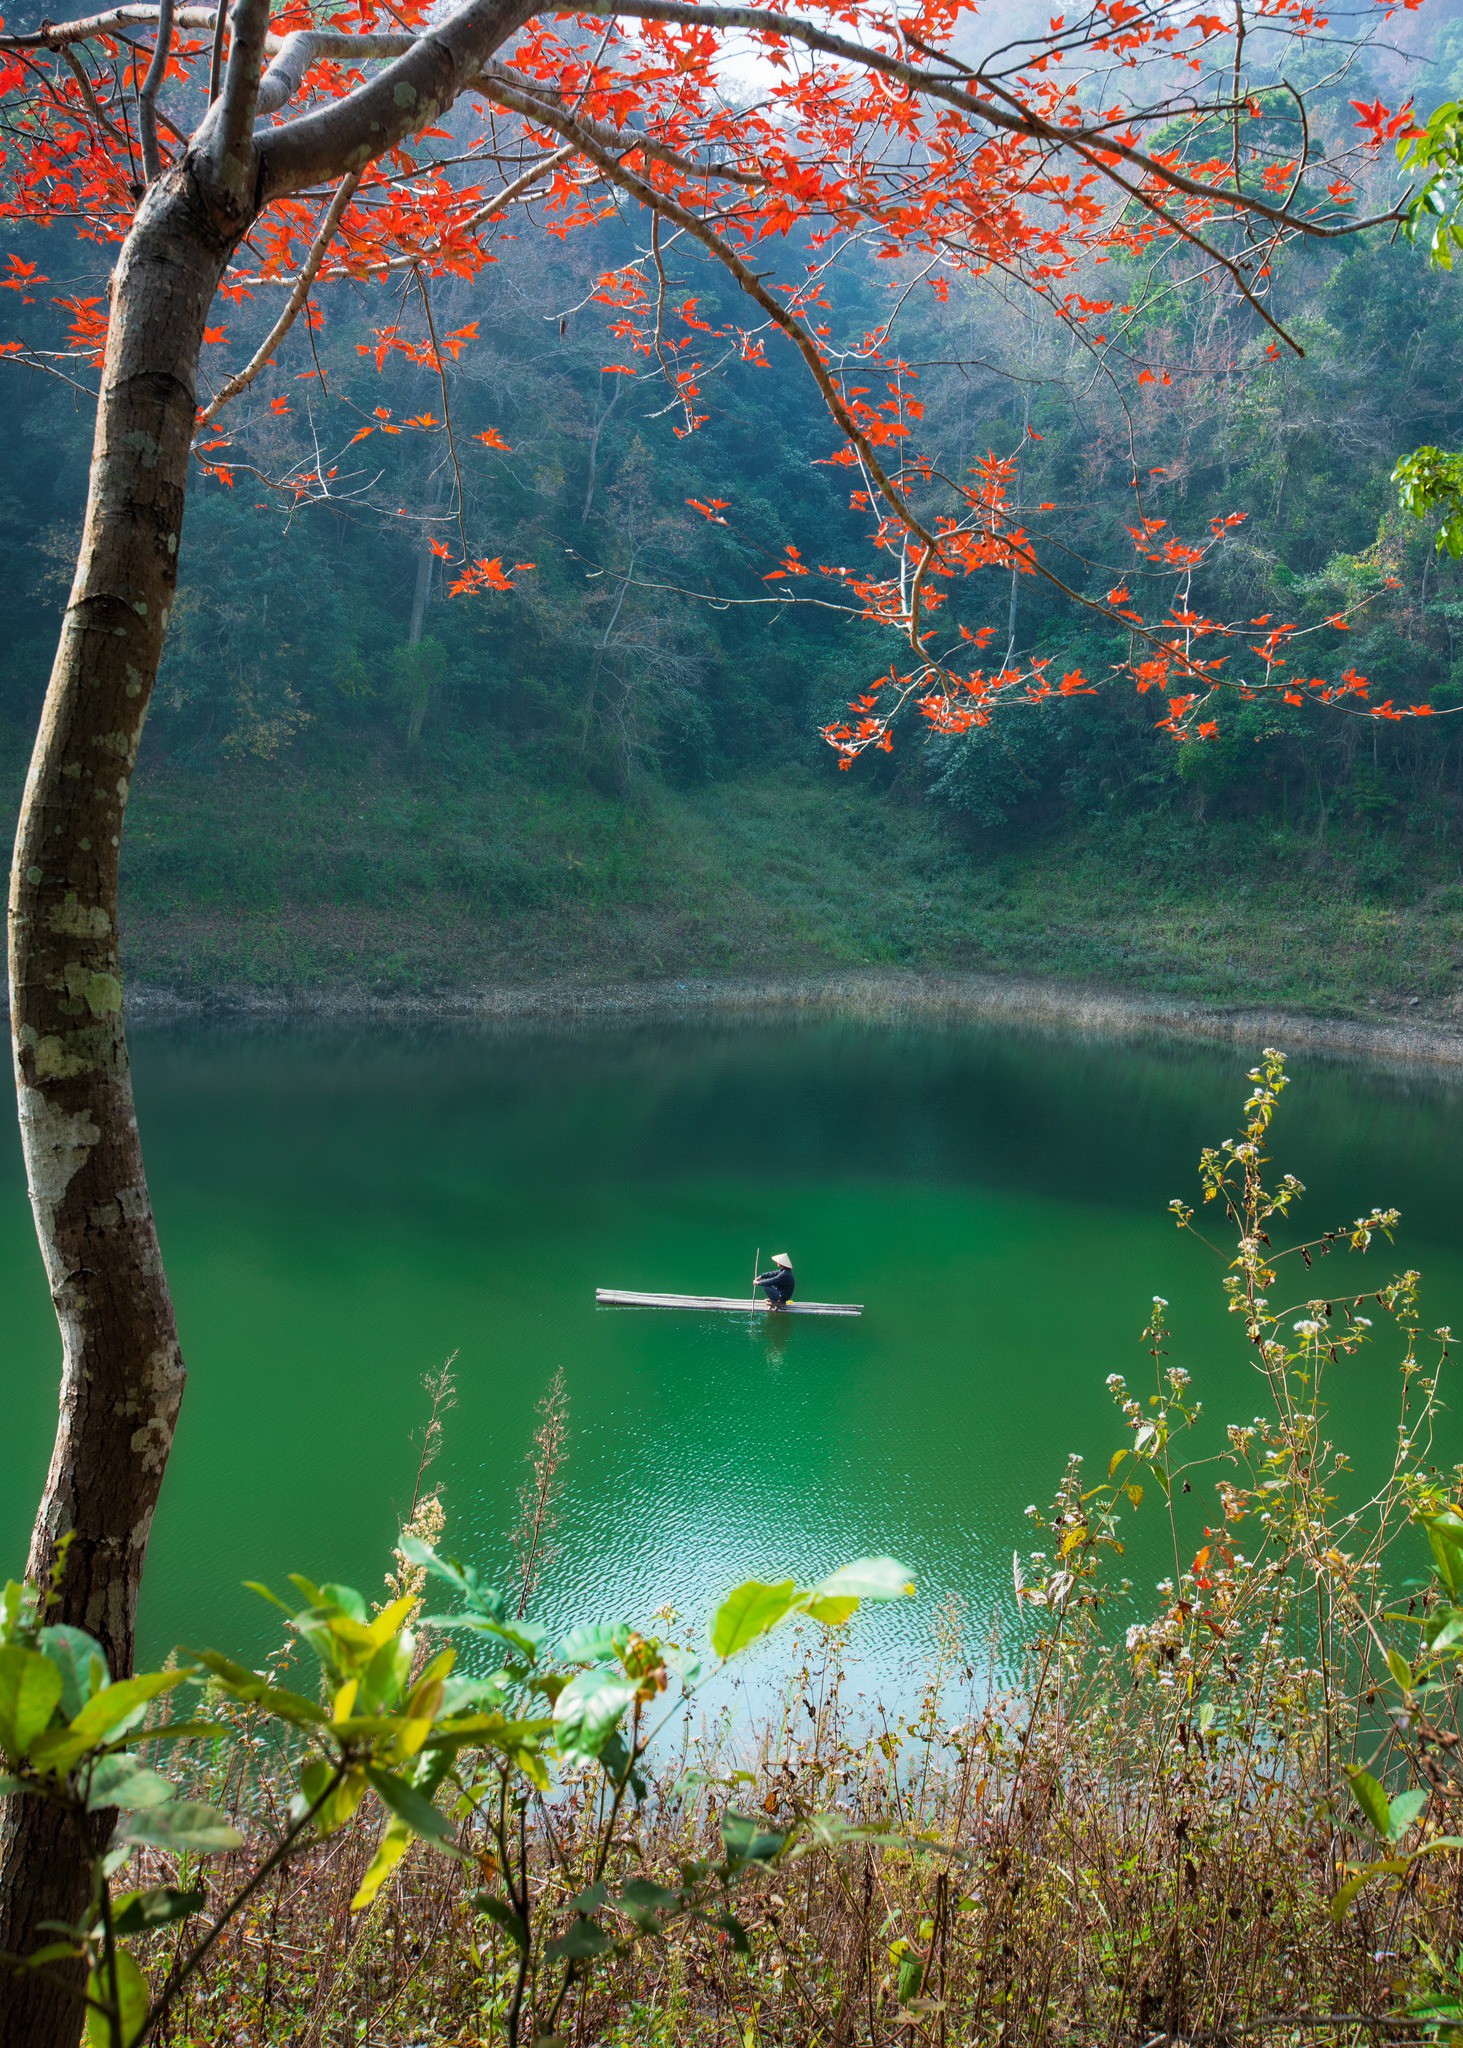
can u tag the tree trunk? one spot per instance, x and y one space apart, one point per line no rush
420 681
122 1374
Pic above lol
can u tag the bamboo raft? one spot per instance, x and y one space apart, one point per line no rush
619 1297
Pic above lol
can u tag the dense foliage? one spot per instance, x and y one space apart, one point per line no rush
620 755
644 644
325 630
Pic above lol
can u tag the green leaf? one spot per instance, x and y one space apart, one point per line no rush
55 1750
52 1952
499 1911
118 1707
524 1636
830 1611
416 1552
122 1781
1444 1532
748 1612
594 1642
137 1912
1390 1866
459 1695
583 1941
265 1593
646 1896
80 1660
1404 1811
187 1824
745 1842
616 1760
589 1709
30 1692
911 1976
316 1779
872 1578
174 1731
836 1831
1400 1669
1435 2007
133 1997
412 1807
643 1902
1370 1798
243 1684
521 1742
392 1846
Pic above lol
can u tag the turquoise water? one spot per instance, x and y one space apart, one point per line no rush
341 1211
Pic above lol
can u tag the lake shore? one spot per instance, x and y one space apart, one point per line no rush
889 996
310 881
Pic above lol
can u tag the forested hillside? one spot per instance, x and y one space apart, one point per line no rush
614 767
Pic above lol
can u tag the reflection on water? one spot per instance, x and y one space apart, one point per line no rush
342 1211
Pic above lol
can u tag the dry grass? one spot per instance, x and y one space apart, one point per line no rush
1084 1866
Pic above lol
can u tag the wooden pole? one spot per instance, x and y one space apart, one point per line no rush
755 1264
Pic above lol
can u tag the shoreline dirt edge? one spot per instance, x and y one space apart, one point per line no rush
876 996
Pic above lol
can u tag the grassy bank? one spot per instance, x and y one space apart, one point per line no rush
284 878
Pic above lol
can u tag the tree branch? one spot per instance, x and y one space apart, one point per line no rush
660 202
509 196
615 139
300 291
88 92
157 71
216 55
346 135
307 46
1200 242
225 135
407 96
59 35
1014 119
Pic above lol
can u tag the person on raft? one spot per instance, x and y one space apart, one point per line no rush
778 1284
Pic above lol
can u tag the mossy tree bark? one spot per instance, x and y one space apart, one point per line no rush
121 1369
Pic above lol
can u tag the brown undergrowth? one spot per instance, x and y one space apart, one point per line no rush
1094 1870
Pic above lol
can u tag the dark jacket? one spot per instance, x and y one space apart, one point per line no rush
779 1282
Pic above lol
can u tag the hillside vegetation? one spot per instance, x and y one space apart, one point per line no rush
612 770
314 878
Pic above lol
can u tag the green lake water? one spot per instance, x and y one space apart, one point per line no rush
340 1211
